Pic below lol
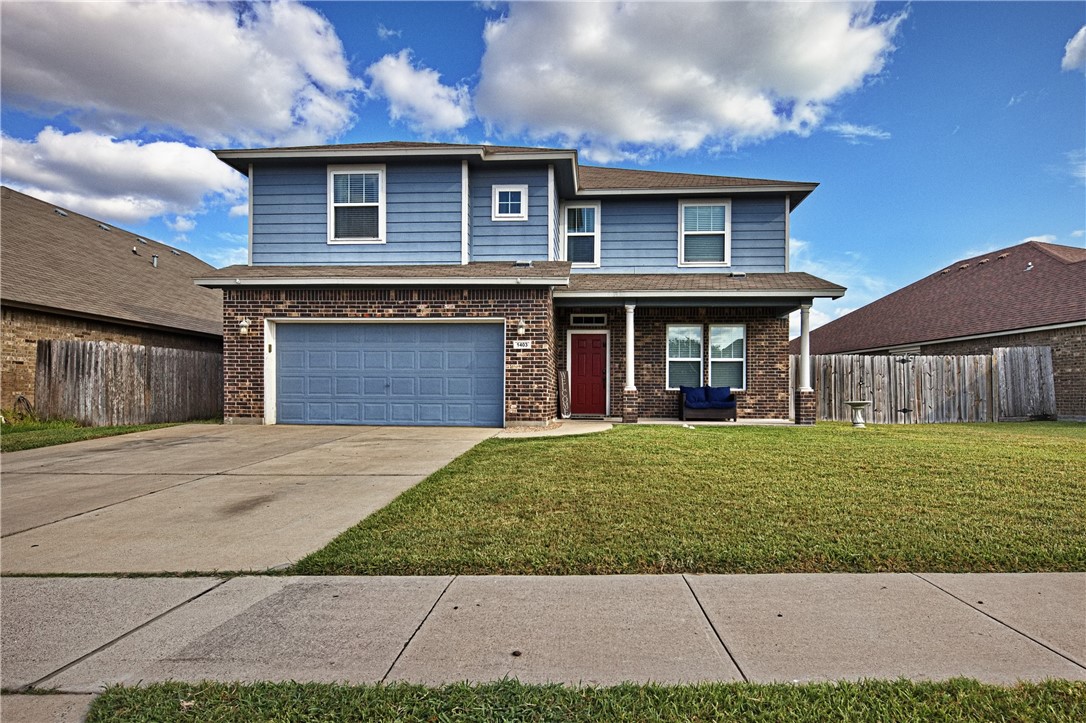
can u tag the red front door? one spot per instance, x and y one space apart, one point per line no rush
588 374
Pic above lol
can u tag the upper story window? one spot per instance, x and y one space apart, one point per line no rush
581 225
705 233
510 203
356 204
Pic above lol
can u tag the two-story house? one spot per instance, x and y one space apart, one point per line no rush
440 284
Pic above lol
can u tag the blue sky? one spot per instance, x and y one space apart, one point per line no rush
936 130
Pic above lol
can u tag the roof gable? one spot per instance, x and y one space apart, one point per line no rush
1019 287
72 263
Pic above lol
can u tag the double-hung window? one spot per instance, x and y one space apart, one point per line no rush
727 356
356 204
509 203
684 354
582 234
705 233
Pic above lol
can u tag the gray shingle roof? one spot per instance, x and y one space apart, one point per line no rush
499 271
984 294
70 264
599 178
782 282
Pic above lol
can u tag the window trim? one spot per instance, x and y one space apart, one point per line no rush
596 235
668 358
496 189
743 360
382 207
727 204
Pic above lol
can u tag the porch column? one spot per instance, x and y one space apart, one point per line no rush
806 404
629 393
805 348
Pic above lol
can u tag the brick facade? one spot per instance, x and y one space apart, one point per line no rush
530 376
22 328
806 407
766 394
1068 361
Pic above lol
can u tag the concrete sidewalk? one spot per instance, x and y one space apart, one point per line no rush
80 634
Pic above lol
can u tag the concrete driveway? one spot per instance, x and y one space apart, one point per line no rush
207 497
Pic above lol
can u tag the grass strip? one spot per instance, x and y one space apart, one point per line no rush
954 700
664 499
32 435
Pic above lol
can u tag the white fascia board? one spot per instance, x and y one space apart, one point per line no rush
689 293
389 281
704 191
952 339
480 151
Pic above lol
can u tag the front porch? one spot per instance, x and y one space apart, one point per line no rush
627 352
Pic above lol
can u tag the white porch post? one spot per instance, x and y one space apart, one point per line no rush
805 348
630 387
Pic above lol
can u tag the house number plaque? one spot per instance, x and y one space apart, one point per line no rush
522 343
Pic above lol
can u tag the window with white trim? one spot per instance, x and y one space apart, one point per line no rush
727 356
509 203
356 204
705 233
684 355
581 225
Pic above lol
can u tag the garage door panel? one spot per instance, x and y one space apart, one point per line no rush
405 373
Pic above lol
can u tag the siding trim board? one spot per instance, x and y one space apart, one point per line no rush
465 215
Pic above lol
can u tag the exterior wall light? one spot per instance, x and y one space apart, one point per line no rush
521 327
243 326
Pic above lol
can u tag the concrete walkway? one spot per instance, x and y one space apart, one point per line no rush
80 634
207 497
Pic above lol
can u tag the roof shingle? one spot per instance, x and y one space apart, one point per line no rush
71 264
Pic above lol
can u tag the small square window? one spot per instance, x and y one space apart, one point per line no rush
510 203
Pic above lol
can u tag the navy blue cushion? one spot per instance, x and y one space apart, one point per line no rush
695 397
718 396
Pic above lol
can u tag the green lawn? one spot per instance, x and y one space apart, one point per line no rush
31 435
957 700
663 499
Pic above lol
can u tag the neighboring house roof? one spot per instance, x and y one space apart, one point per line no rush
492 273
69 263
574 178
1020 287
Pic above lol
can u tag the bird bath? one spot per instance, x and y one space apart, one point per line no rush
858 412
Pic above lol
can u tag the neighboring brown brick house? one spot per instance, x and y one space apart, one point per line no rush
1032 294
67 276
428 283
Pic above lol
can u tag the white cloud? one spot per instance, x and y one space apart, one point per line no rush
856 134
181 224
1016 99
1076 161
615 79
848 270
236 251
241 209
416 95
122 181
387 33
1045 238
1078 233
1074 53
220 73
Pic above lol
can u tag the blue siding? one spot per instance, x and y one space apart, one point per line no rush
508 240
290 217
642 237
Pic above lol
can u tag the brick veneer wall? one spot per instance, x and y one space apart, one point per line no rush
22 328
766 395
530 379
1068 361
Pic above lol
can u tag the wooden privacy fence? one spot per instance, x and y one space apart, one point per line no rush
1008 384
105 383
